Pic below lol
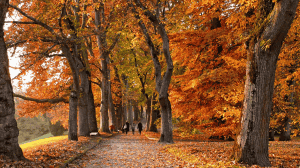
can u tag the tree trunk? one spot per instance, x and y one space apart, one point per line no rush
153 114
285 134
119 117
136 112
251 146
91 110
148 112
112 112
73 101
129 112
141 113
9 131
271 135
125 100
83 105
124 116
73 95
162 83
119 108
105 51
104 123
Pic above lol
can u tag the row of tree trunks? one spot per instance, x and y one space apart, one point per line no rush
9 131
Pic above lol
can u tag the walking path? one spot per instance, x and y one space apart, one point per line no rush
129 151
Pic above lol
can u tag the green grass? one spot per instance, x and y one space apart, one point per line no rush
43 141
42 137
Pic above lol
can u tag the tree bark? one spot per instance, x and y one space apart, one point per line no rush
251 146
153 114
119 108
73 95
271 135
104 123
83 104
73 101
136 111
91 110
148 113
126 101
119 116
285 134
129 112
9 131
102 45
112 111
141 113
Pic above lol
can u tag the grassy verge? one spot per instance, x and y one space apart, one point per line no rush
53 152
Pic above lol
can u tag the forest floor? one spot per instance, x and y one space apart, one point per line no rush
121 150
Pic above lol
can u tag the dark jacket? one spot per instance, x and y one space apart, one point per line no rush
140 126
127 124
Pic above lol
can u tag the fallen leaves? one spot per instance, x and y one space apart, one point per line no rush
50 152
217 154
137 150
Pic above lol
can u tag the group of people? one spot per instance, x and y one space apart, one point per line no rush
125 127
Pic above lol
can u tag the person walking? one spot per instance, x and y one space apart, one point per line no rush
140 127
132 129
127 127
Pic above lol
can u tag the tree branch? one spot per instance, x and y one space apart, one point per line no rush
114 43
33 19
52 101
19 22
15 44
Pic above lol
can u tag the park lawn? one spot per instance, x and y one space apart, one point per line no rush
39 142
200 151
51 152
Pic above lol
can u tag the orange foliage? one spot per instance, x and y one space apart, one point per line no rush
207 88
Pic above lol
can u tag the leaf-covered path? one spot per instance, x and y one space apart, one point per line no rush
129 151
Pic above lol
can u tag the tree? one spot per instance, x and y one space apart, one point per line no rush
102 23
162 83
74 51
206 91
263 48
9 131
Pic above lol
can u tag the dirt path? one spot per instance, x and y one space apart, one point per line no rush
129 151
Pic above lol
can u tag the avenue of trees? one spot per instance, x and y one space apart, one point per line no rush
226 68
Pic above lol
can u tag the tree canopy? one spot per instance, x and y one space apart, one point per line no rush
192 54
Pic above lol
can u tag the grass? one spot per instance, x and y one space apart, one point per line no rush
41 137
44 141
